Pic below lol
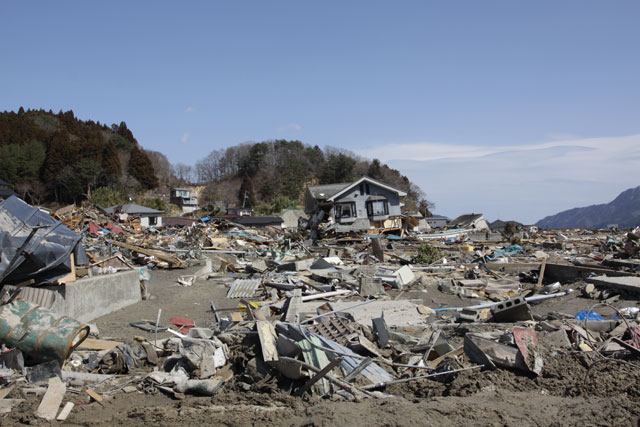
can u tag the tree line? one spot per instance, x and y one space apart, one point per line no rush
49 157
272 172
55 157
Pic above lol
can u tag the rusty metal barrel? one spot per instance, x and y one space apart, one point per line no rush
41 334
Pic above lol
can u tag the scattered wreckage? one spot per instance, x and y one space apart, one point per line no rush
344 315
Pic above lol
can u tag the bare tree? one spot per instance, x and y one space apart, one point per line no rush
183 173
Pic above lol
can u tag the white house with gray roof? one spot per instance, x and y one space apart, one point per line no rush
148 217
365 199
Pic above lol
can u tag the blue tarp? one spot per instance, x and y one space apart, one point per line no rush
508 251
582 315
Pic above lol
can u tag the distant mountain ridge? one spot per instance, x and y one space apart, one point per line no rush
624 211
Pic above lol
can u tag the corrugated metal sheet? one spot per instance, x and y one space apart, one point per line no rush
319 359
373 372
243 288
37 295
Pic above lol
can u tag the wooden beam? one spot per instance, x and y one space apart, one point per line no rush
317 377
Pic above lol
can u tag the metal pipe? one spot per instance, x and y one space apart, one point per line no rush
491 304
325 295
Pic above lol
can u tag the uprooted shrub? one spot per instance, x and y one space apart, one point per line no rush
427 254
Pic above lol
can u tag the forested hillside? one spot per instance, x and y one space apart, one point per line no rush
51 157
277 173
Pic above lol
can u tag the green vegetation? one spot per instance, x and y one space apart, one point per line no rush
106 197
427 254
277 205
49 157
281 168
156 203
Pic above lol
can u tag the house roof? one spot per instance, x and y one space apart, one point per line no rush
333 191
132 208
178 221
258 220
372 181
438 217
323 192
466 219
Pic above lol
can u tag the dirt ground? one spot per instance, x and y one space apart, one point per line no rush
574 389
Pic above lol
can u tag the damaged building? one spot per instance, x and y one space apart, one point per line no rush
363 204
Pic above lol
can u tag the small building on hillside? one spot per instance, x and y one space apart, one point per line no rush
182 197
364 199
470 221
148 217
5 190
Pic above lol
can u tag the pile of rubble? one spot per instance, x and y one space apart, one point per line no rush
349 316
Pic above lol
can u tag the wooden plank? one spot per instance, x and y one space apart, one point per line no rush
52 399
317 377
6 405
236 317
65 411
456 352
267 335
5 392
71 277
95 396
541 275
627 346
173 261
93 344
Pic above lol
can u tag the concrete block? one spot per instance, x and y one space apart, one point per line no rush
404 276
557 339
512 310
371 286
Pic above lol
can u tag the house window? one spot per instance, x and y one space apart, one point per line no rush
377 208
153 220
346 210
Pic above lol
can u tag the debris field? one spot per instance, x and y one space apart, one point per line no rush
246 326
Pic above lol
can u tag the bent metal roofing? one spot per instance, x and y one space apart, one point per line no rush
132 208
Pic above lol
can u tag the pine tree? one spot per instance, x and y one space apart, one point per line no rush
141 168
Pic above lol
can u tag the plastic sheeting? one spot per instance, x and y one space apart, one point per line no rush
48 250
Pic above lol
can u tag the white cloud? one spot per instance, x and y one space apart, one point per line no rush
185 137
190 109
522 182
290 126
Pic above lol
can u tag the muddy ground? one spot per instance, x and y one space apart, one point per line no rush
574 389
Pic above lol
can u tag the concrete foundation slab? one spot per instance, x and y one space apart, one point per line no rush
626 284
89 298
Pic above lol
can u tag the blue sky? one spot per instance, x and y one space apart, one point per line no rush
437 89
